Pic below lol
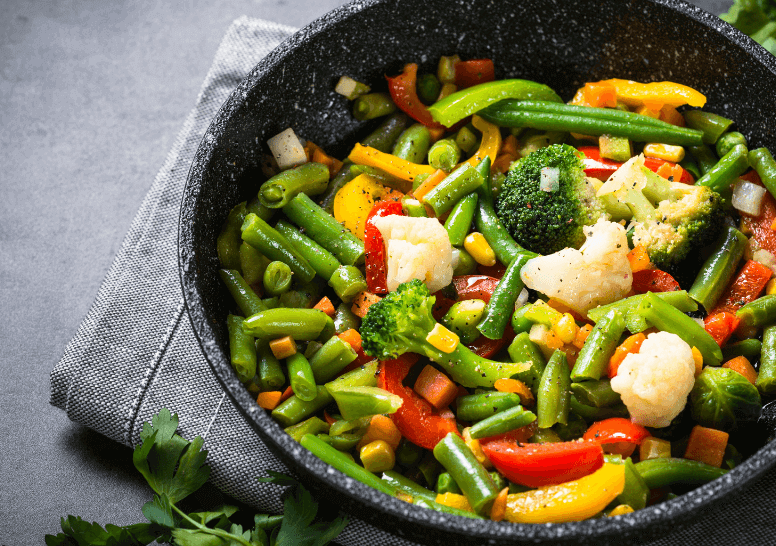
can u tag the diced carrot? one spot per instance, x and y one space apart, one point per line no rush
393 195
362 302
326 306
601 94
639 259
632 344
309 149
352 337
502 163
288 393
435 387
670 170
383 428
581 337
429 184
334 164
436 133
269 400
518 387
499 508
706 445
742 365
283 347
509 145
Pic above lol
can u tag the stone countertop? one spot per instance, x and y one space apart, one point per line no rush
92 95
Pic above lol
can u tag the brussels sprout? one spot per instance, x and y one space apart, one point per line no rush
722 397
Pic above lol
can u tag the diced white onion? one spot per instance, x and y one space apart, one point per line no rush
287 149
549 179
748 197
522 298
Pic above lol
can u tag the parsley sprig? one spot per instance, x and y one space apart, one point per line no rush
174 468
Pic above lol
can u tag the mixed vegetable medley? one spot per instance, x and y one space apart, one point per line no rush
502 305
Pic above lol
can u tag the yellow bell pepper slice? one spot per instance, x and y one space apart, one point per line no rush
392 165
490 143
354 201
656 94
571 501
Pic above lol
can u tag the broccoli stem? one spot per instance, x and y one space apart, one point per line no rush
640 206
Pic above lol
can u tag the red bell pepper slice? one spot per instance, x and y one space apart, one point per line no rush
404 93
519 435
761 226
653 280
469 73
618 434
602 168
417 420
745 287
721 325
374 246
537 465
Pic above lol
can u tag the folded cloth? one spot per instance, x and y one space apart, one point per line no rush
135 352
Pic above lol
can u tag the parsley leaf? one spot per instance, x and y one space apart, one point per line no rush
756 19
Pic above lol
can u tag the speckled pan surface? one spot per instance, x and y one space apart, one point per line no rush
562 43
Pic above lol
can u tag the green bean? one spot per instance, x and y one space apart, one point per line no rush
310 178
325 230
345 319
489 224
705 157
294 409
300 324
252 263
766 376
331 359
466 139
242 349
719 268
689 165
522 349
727 141
444 508
228 241
347 281
313 425
552 116
357 427
246 299
446 484
664 471
444 154
553 396
590 413
373 105
466 264
412 207
413 144
762 161
732 165
269 370
627 307
502 301
573 429
758 313
300 375
357 402
277 278
502 422
345 175
462 181
341 462
599 347
254 206
598 394
476 407
408 486
750 348
467 471
408 454
429 87
635 493
712 125
459 221
382 177
363 376
345 442
667 318
521 324
429 468
321 260
258 233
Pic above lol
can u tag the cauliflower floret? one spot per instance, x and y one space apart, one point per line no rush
416 248
596 274
654 383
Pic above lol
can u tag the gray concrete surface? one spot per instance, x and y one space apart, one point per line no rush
92 94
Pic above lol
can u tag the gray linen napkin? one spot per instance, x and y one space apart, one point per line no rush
135 352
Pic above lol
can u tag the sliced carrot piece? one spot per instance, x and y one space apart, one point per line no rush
326 306
334 165
383 428
288 393
632 344
352 337
742 365
438 389
269 400
706 445
639 259
283 347
362 302
429 184
581 336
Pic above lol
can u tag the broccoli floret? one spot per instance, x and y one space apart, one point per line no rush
400 323
551 219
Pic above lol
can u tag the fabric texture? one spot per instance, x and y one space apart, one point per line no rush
135 352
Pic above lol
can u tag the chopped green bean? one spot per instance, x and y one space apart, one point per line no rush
710 124
228 241
758 313
300 324
300 375
732 165
313 425
598 394
242 349
476 407
269 370
705 158
321 260
467 471
599 347
553 397
345 319
444 154
719 268
502 301
522 349
310 178
259 234
252 263
504 421
347 281
762 161
413 144
246 299
664 471
766 377
331 359
277 278
459 221
727 141
373 105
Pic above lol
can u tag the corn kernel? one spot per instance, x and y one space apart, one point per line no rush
377 456
698 358
664 151
566 328
442 338
476 245
770 288
454 500
545 339
654 448
620 509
